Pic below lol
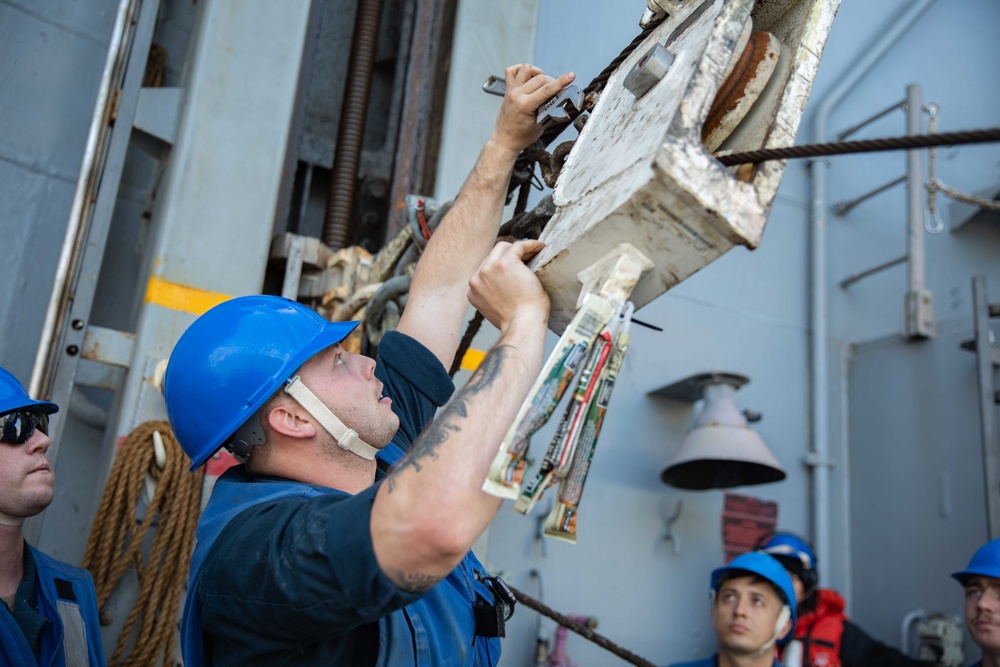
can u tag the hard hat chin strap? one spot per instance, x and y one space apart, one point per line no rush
783 616
346 438
8 520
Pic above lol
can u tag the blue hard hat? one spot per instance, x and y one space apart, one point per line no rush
766 567
232 359
985 562
796 555
14 397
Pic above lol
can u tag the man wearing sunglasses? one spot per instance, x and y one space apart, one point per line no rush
310 553
49 611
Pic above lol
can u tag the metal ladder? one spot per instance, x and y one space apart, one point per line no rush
68 341
987 359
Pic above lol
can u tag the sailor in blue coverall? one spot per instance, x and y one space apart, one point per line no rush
312 553
752 610
981 581
49 612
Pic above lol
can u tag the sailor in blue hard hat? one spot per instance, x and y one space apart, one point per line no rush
26 480
48 613
981 580
314 552
752 611
824 635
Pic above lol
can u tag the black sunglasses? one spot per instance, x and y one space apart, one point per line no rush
17 427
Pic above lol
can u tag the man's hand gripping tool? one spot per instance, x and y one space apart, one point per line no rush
562 108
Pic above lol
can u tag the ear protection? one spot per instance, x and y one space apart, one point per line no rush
247 436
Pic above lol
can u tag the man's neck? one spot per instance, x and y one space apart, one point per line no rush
342 470
764 660
991 658
11 562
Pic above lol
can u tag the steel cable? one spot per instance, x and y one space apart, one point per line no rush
908 142
580 629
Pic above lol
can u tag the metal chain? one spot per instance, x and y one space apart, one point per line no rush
937 226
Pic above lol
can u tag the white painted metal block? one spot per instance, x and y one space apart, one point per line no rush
639 173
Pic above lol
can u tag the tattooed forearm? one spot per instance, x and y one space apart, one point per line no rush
454 412
488 370
414 582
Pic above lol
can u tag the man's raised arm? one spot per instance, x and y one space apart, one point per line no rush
437 304
431 509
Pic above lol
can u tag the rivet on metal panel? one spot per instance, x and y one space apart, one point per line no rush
72 350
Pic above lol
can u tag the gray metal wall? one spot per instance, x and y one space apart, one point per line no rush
917 500
53 54
907 480
749 313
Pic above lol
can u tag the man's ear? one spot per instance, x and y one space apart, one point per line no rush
289 420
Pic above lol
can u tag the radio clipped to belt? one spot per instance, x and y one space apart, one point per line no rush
492 617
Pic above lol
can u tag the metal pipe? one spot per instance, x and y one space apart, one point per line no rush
541 639
904 635
915 194
423 110
351 132
850 280
915 217
69 256
981 311
820 410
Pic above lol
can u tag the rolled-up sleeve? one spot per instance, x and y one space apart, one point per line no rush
415 380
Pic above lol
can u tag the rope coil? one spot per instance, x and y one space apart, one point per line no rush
116 542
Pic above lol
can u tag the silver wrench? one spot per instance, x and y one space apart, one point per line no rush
557 110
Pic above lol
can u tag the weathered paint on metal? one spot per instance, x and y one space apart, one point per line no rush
639 173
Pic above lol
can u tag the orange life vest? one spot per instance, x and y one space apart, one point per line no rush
819 632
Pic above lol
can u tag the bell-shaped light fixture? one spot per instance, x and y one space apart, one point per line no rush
720 451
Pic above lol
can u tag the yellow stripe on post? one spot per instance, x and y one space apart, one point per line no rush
472 359
181 297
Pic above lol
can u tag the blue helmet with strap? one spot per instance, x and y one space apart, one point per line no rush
232 359
14 397
796 555
985 563
756 563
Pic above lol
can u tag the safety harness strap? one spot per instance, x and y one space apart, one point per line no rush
347 438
